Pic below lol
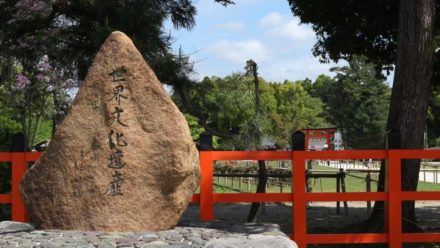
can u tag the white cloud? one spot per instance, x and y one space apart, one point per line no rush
272 19
295 69
239 52
233 26
280 26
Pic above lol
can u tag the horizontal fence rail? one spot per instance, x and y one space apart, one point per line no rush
207 198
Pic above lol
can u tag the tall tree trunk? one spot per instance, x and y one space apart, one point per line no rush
261 188
262 172
409 100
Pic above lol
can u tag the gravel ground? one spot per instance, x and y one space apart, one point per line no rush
321 216
240 236
228 230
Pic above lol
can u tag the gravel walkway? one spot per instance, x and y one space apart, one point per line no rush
229 229
321 216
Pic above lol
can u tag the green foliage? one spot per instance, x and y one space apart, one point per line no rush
357 102
229 104
295 110
194 126
28 98
7 127
69 33
345 29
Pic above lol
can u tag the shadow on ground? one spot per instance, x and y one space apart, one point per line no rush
321 218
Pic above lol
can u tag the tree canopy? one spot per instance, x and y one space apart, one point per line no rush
356 102
229 104
398 32
66 35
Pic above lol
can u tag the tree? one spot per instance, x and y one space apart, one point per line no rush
252 71
29 104
228 106
295 110
356 102
69 33
387 32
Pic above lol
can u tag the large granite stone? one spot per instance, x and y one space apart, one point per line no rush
123 158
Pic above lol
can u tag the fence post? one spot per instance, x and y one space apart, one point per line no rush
281 186
343 189
299 215
393 186
368 189
18 167
207 183
338 189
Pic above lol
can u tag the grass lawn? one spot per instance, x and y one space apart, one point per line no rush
354 182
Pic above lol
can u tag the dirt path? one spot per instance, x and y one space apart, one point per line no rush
321 217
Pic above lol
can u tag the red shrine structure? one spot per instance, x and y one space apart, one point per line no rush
320 139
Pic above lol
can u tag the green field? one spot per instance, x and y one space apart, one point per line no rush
354 182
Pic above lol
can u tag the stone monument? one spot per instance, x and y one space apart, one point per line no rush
122 160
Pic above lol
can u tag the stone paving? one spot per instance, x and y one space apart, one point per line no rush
214 235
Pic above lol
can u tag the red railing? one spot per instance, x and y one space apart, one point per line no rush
393 195
207 198
19 166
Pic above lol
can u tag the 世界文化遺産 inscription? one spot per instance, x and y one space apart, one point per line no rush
115 160
115 185
115 138
119 141
118 74
117 94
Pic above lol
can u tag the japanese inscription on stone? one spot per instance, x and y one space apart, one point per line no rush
115 138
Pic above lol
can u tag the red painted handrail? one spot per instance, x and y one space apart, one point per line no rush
19 162
207 198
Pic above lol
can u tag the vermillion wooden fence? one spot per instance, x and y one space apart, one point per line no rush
393 195
207 198
19 164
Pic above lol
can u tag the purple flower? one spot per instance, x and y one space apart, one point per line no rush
21 82
43 65
40 77
29 9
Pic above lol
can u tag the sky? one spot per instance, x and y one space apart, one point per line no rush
224 38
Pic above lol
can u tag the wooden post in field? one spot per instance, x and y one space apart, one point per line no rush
338 189
226 178
232 181
343 189
281 186
368 189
